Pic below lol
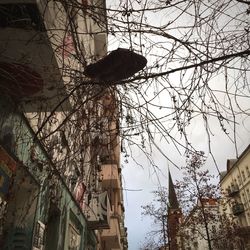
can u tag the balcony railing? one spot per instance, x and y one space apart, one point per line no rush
238 209
116 211
112 236
110 176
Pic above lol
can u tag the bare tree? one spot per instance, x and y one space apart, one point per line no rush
197 70
190 66
204 217
157 211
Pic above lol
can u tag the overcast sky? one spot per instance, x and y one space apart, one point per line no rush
140 182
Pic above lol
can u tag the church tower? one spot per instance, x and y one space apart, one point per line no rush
174 216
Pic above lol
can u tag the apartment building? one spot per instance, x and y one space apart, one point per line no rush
60 169
235 185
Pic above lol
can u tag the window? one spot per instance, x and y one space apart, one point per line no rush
3 209
235 182
21 16
243 175
74 238
248 172
248 194
195 245
213 228
239 181
39 235
244 199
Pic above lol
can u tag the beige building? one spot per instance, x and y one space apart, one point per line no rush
114 236
235 184
44 48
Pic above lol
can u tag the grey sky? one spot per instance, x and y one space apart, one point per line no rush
137 178
145 178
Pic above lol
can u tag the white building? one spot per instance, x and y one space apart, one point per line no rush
193 233
235 184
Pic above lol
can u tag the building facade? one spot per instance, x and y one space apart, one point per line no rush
235 185
60 174
197 232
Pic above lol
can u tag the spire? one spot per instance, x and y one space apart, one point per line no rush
172 199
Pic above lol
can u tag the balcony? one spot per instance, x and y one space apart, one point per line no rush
238 209
98 212
110 176
234 190
124 237
112 236
117 211
29 67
